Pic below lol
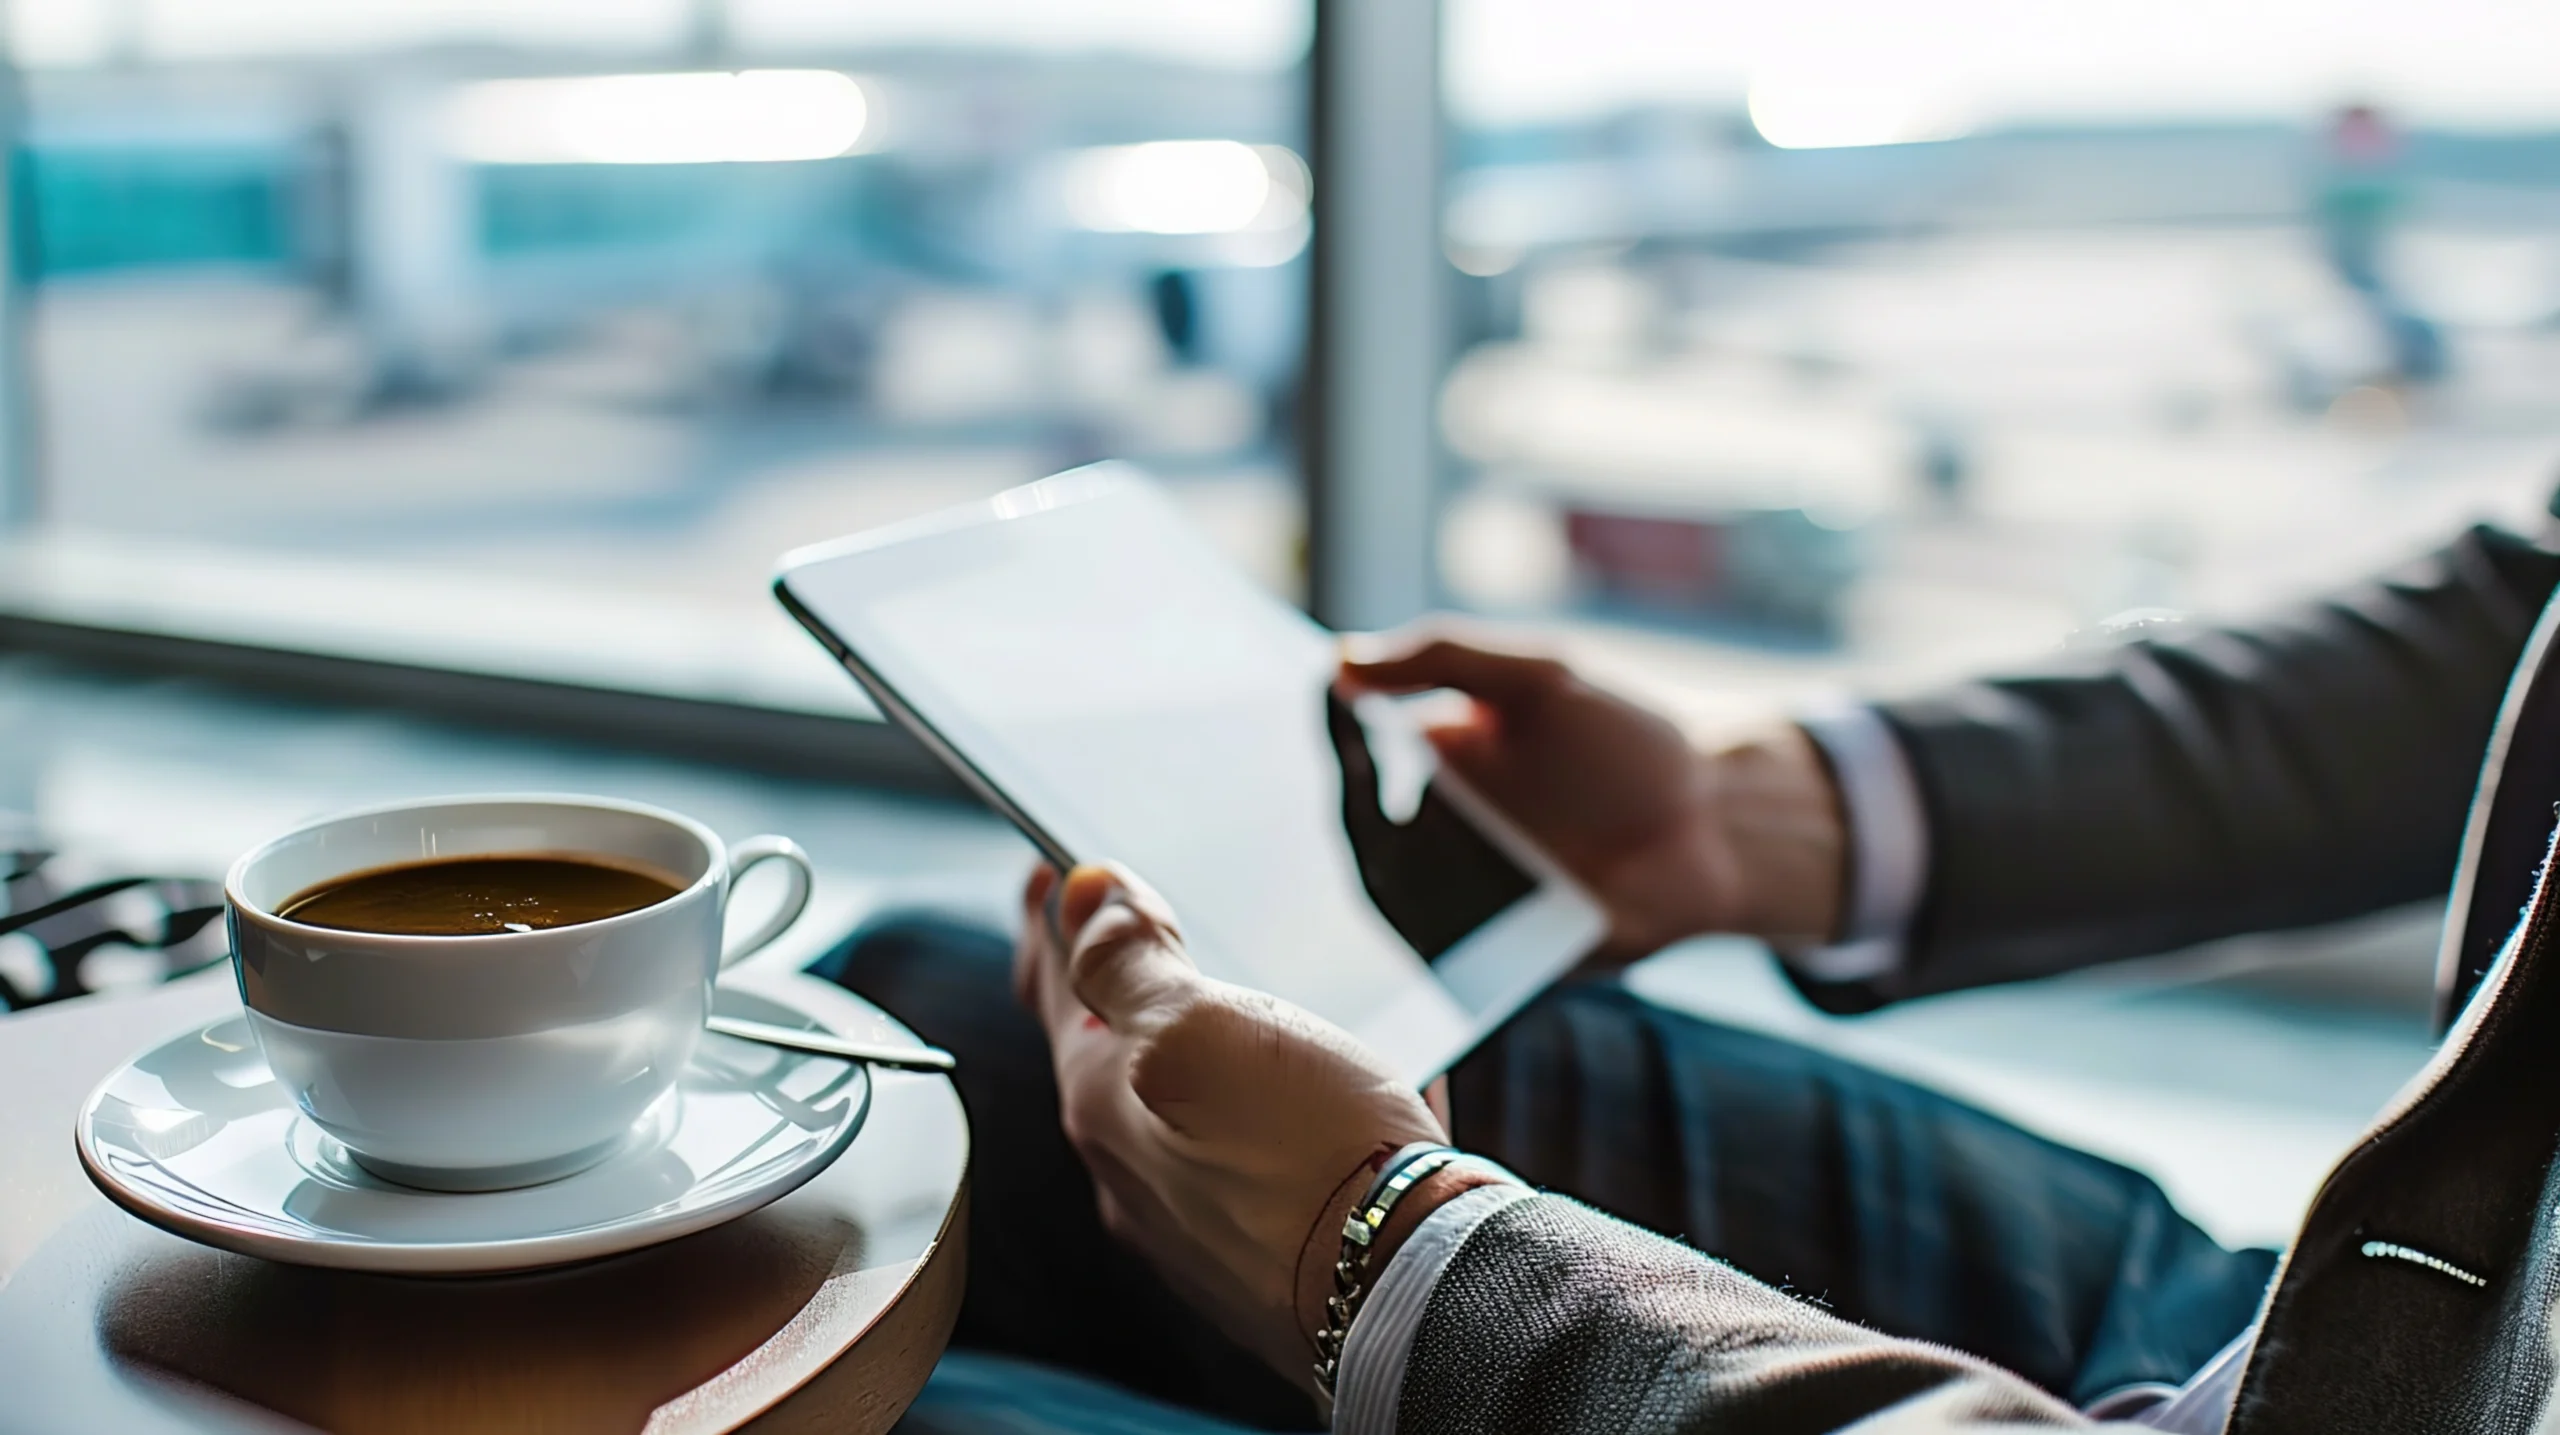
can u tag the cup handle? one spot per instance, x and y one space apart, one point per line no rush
795 897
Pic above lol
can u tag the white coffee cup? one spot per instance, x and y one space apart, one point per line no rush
474 1063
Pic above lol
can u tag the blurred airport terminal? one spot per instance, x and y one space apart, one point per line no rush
1850 347
643 304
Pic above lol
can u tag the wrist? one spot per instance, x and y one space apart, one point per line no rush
1428 1195
1325 1241
1773 797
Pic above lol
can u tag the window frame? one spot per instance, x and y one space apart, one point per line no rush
1379 337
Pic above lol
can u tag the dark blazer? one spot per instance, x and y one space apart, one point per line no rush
2304 769
2296 771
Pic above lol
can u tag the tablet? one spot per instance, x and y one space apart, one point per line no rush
1084 660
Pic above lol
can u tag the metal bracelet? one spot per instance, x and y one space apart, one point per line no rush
1359 1230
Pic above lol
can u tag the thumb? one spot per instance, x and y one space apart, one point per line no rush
1470 742
1127 962
1493 676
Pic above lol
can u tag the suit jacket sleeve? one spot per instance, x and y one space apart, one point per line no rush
1553 1319
2305 769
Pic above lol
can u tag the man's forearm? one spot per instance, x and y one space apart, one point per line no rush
2303 769
1555 1320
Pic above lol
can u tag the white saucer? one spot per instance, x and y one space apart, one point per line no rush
195 1137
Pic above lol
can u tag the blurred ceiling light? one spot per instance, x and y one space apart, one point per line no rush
1187 187
710 117
1841 116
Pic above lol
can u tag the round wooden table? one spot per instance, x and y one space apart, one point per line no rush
824 1311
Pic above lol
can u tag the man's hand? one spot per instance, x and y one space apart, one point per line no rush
1227 1131
1672 840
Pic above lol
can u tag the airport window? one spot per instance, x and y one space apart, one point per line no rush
1785 346
1856 338
577 315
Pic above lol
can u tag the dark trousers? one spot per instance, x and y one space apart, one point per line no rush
1885 1202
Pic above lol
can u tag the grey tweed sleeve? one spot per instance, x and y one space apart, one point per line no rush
1556 1320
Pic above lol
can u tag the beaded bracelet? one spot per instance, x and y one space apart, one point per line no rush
1359 1230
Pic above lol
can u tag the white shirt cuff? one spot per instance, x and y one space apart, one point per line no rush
1888 844
1370 1383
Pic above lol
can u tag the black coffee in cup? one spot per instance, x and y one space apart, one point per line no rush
477 896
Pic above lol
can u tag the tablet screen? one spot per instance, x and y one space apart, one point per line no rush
1127 695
